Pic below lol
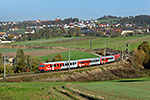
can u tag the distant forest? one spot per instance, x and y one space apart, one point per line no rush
137 20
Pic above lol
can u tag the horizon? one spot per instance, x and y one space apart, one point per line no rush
15 10
68 17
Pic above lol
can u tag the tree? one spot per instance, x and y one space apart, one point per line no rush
35 63
20 60
10 37
62 30
58 58
142 54
29 62
1 58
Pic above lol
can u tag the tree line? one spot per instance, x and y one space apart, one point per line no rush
25 63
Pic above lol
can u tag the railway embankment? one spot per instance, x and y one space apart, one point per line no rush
116 70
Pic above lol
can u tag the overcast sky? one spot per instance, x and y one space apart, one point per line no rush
19 10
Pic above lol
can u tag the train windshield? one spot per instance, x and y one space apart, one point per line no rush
41 65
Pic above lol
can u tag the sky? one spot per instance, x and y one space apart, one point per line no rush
21 10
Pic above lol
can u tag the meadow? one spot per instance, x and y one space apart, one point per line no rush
97 42
74 55
117 89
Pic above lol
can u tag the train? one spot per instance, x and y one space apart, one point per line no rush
50 66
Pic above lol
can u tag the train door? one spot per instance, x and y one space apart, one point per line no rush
52 66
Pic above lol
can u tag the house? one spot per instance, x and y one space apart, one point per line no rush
126 30
102 25
3 35
30 31
16 35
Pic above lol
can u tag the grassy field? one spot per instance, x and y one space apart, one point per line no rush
98 42
118 89
108 20
73 55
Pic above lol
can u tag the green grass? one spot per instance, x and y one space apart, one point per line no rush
125 89
117 89
73 55
98 42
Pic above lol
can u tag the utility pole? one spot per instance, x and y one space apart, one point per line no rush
117 46
104 53
31 42
69 43
4 67
69 62
91 44
108 38
41 42
75 43
122 53
21 40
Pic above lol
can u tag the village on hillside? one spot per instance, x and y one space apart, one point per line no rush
104 26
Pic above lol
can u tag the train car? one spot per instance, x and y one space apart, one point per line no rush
107 59
57 65
77 63
88 62
117 57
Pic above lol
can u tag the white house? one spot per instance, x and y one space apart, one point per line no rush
127 30
29 31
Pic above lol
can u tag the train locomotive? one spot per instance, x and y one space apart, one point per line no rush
49 66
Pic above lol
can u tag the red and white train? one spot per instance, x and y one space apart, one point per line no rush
77 63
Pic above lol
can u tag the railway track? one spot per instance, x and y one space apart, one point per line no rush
62 71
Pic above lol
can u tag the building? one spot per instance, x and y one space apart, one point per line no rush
30 31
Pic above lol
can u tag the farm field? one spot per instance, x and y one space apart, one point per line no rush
32 52
97 42
117 89
74 55
45 54
120 89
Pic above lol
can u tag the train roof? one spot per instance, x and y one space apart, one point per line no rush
89 59
107 56
60 62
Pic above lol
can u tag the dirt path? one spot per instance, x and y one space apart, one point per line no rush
37 53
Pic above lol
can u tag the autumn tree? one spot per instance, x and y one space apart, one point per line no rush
142 55
35 63
20 60
146 48
10 37
58 58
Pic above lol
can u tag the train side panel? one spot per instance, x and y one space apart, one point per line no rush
107 59
88 62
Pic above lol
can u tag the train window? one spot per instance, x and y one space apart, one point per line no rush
57 65
54 65
63 64
41 65
75 63
50 65
111 58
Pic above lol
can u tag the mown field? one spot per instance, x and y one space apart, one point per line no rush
97 42
74 55
112 90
